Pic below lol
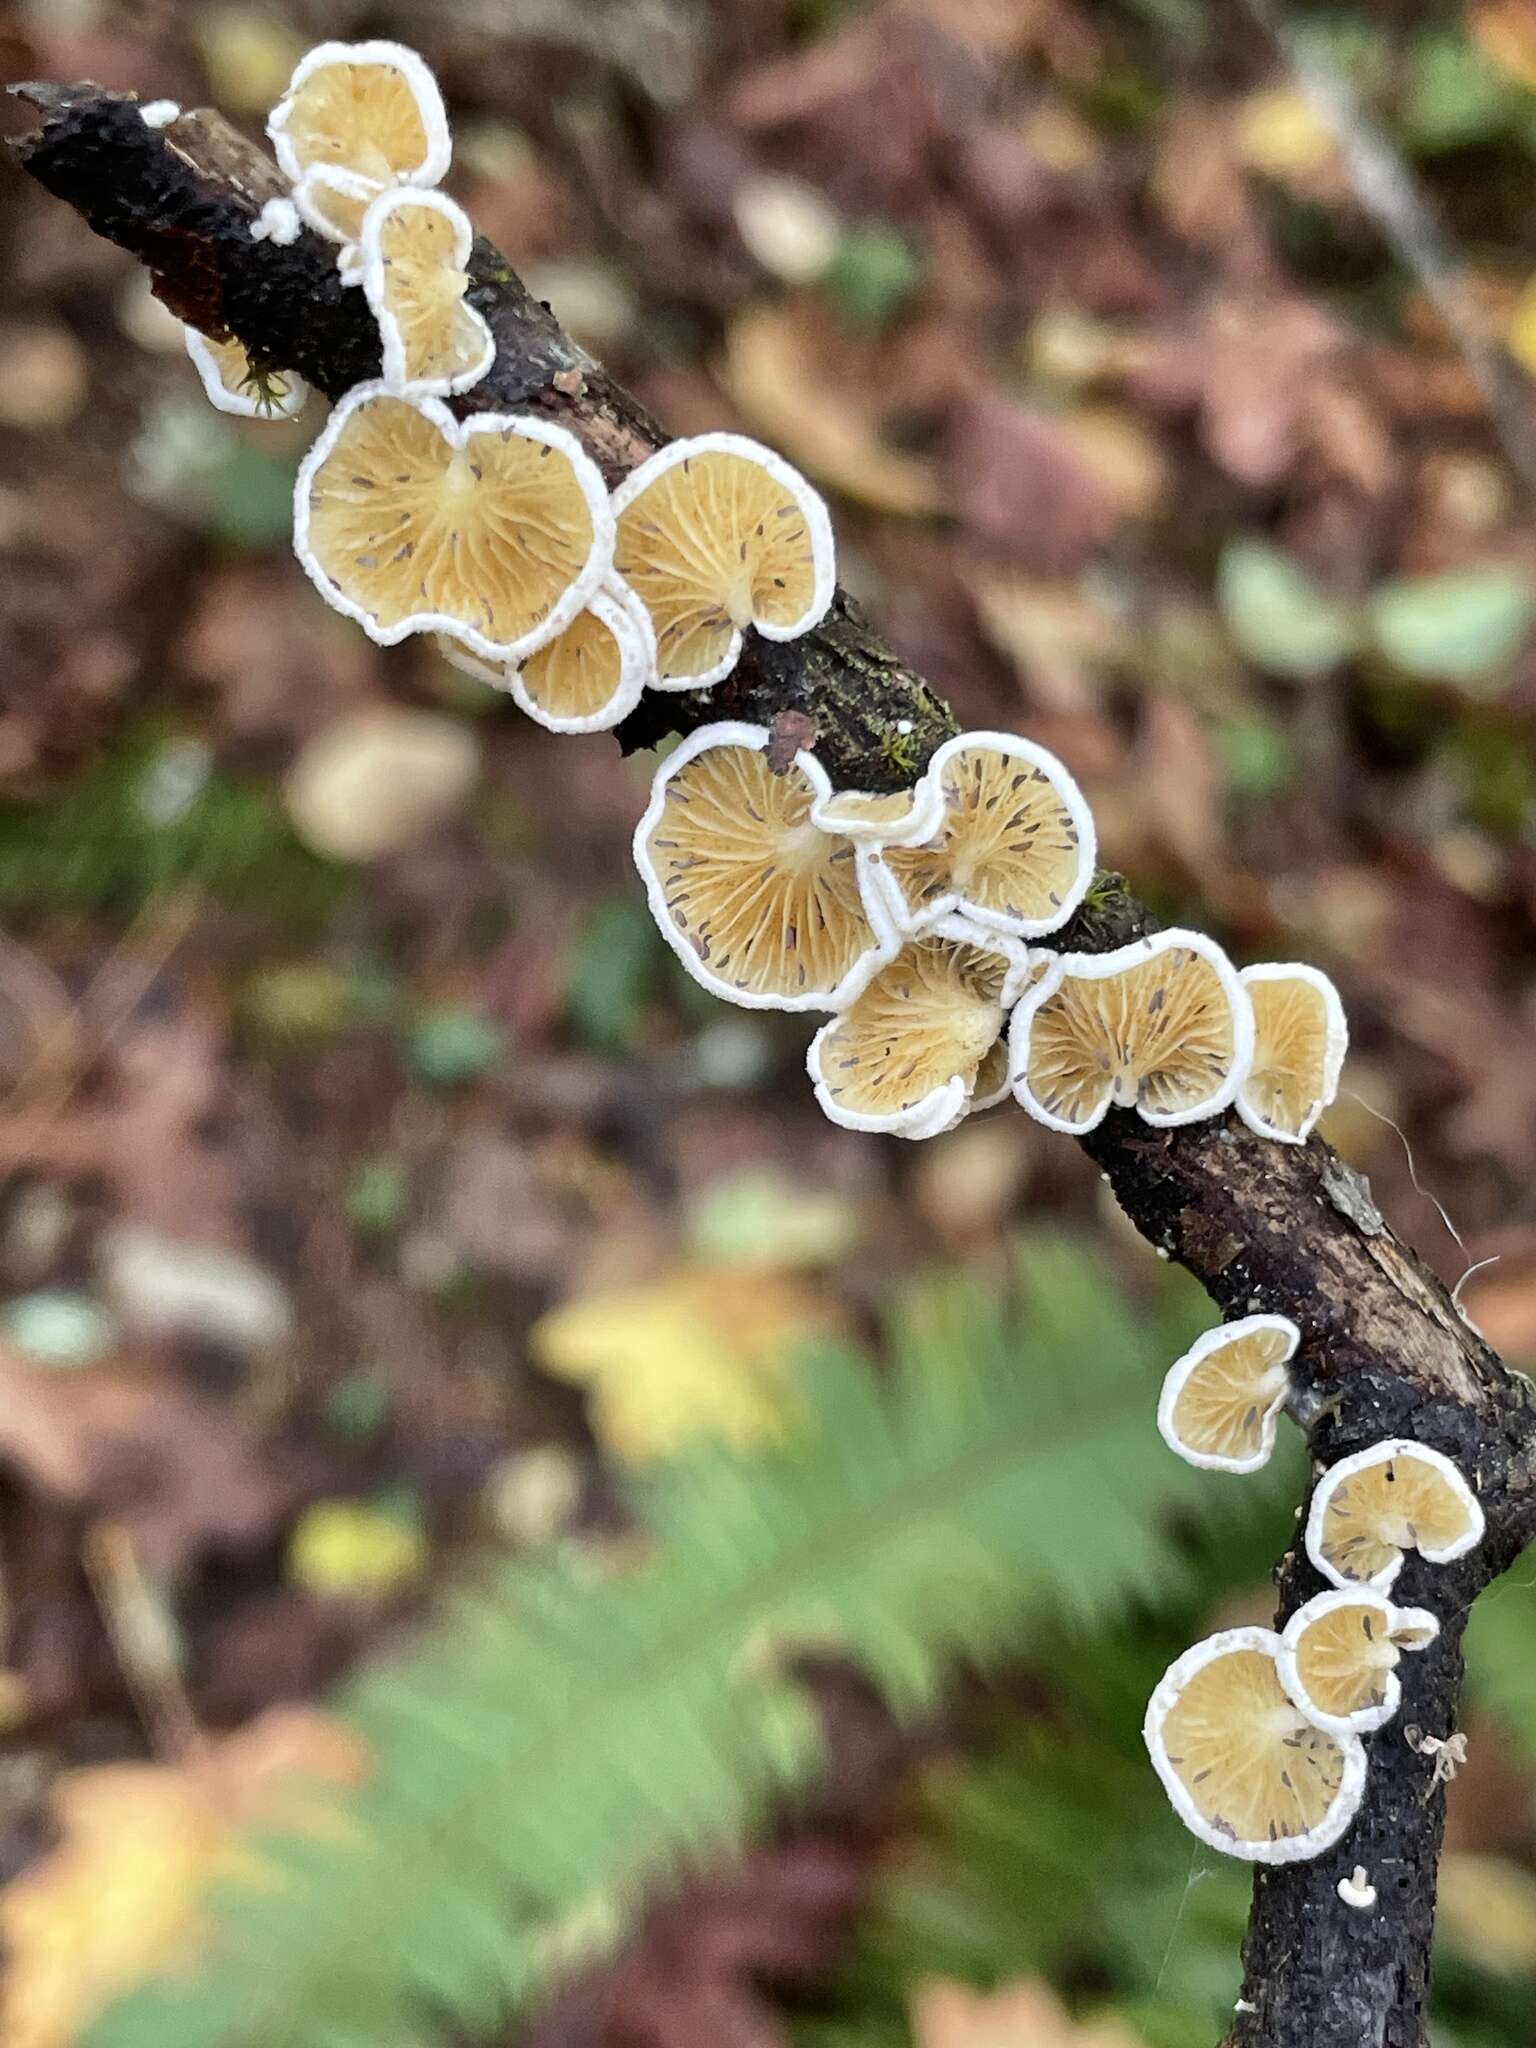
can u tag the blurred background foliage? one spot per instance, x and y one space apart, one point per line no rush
382 1213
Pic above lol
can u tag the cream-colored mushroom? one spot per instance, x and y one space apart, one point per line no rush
1339 1653
895 818
355 119
910 1050
1221 1400
495 530
1014 848
758 903
1300 1039
234 386
1162 1026
1245 1769
414 249
588 677
1395 1496
716 535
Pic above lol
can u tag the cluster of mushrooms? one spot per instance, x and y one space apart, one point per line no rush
911 920
1256 1735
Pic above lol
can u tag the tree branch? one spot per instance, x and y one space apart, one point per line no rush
1263 1226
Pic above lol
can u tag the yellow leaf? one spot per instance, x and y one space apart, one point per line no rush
347 1548
120 1898
700 1353
1488 1909
1521 334
1024 2014
1505 31
1280 132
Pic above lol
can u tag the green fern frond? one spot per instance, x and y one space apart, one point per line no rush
565 1741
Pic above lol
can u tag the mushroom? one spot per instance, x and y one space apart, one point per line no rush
1396 1496
369 111
1014 849
900 818
495 530
1299 1042
715 535
1338 1657
910 1051
1222 1399
233 385
759 904
1245 1769
1162 1026
588 677
414 251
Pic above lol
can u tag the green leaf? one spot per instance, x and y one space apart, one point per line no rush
1279 616
567 1741
613 967
875 271
451 1046
1453 95
1467 626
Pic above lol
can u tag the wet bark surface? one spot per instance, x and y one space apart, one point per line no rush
1263 1226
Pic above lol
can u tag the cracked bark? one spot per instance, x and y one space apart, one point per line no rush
1263 1226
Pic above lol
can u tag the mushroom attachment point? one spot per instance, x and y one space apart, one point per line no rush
588 677
1221 1401
494 530
1245 1769
371 112
901 818
1013 848
1394 1497
758 903
715 535
235 386
1339 1653
414 252
1300 1038
914 1048
1162 1026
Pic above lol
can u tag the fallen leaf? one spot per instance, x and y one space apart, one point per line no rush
1025 484
826 426
120 1898
1488 1910
1024 2014
700 1353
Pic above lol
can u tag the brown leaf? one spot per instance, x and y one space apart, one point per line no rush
1020 482
791 733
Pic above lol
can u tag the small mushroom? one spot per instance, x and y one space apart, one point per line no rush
760 905
588 677
901 817
910 1051
494 530
369 111
1014 848
1338 1657
414 250
715 535
1162 1026
1245 1769
234 386
1300 1039
1396 1496
1222 1399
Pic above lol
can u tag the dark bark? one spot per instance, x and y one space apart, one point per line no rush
1263 1226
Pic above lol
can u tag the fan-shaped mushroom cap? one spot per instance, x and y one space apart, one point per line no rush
233 386
494 530
588 677
715 535
335 203
1162 1026
907 1053
415 246
1014 849
902 817
1244 1767
1300 1038
1222 1399
1338 1657
370 111
760 905
1396 1496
